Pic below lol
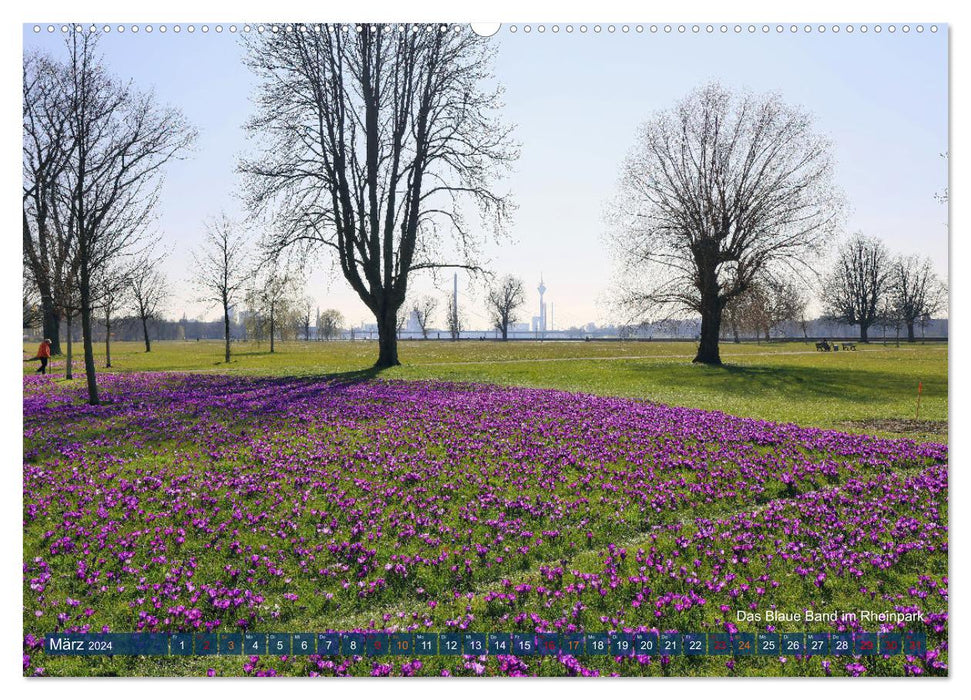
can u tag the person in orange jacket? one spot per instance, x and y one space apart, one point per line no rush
43 354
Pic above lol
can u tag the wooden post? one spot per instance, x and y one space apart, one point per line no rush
920 387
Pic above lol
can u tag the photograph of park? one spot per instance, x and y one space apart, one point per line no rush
487 351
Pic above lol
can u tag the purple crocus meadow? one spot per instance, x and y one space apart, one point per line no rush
211 503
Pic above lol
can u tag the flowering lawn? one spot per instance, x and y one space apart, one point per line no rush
217 503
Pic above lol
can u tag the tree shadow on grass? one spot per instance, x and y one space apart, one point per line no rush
245 353
304 385
789 381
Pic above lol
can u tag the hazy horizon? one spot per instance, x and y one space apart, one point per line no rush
576 100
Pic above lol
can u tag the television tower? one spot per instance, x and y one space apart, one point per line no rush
542 305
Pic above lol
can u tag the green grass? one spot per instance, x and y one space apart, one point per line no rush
787 382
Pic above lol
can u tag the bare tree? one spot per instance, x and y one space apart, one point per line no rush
290 320
889 318
915 290
122 141
503 301
221 268
149 290
750 313
423 309
717 191
453 319
305 307
49 250
33 315
329 324
68 303
110 289
736 318
789 303
858 285
374 141
255 325
271 296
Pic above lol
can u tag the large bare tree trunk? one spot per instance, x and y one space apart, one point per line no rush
52 322
863 333
705 254
711 316
910 332
387 339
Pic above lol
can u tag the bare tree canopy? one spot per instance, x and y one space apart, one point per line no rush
271 294
716 191
454 320
111 290
329 324
49 246
149 292
768 304
502 302
33 315
305 314
221 268
373 142
858 286
106 146
915 291
423 309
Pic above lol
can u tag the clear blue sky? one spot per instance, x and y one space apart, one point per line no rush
576 100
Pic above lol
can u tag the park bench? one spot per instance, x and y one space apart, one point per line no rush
822 347
849 346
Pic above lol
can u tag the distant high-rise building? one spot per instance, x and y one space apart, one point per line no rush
539 322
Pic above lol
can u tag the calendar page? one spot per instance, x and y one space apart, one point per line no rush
441 349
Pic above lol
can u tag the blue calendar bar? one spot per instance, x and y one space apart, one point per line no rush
671 644
720 644
617 644
572 644
426 644
278 644
743 644
548 643
108 644
402 644
646 644
378 644
450 644
499 643
817 644
695 644
329 644
303 644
